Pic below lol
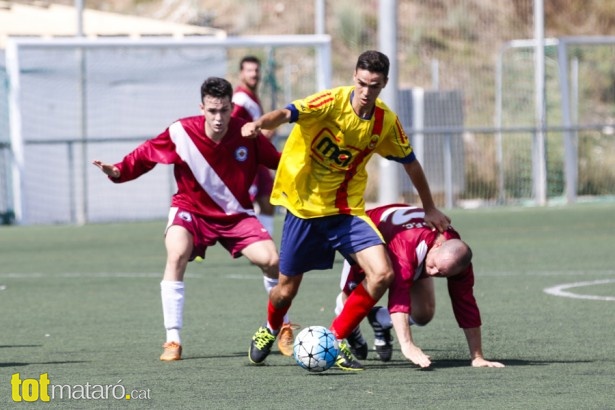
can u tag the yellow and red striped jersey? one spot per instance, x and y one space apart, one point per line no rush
323 166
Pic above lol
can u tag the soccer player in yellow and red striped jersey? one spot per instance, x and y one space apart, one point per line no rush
321 180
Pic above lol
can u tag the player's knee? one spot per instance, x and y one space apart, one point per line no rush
270 265
177 257
424 316
383 278
272 268
378 282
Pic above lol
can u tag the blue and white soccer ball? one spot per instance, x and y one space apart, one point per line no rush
315 348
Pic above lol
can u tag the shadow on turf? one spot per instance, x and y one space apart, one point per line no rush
5 346
215 356
19 364
373 363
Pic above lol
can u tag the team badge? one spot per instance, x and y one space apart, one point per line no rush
373 141
185 216
241 154
352 285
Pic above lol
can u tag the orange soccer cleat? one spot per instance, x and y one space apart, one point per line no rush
172 351
286 339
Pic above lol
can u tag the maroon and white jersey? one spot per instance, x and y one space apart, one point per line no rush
247 104
212 178
408 239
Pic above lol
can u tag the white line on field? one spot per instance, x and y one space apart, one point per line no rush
82 275
559 290
38 275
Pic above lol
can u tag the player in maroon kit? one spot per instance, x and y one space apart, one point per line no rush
418 254
214 167
247 105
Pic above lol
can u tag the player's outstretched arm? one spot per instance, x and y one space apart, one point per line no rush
269 121
404 335
109 169
473 336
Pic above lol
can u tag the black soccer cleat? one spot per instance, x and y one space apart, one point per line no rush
357 344
262 341
383 341
345 361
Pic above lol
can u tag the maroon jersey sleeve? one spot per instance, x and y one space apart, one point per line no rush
268 155
461 292
160 150
465 308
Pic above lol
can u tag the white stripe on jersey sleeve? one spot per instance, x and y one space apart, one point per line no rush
205 175
421 253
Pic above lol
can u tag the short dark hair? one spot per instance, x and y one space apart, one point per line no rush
216 87
249 59
374 62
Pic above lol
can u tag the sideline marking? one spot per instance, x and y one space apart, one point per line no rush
559 290
65 275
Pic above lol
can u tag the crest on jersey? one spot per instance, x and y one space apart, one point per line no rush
373 141
241 154
185 216
352 285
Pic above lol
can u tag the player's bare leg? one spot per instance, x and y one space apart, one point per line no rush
262 254
356 341
378 275
280 300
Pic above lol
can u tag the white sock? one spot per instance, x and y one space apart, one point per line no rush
172 294
269 284
339 304
267 222
384 318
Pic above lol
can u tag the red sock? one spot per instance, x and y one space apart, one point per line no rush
275 316
357 306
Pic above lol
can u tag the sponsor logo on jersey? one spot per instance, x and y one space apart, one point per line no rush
325 150
186 216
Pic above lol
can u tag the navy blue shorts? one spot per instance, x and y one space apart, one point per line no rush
309 244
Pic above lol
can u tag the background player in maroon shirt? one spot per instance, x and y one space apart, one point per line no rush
418 254
214 167
247 105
